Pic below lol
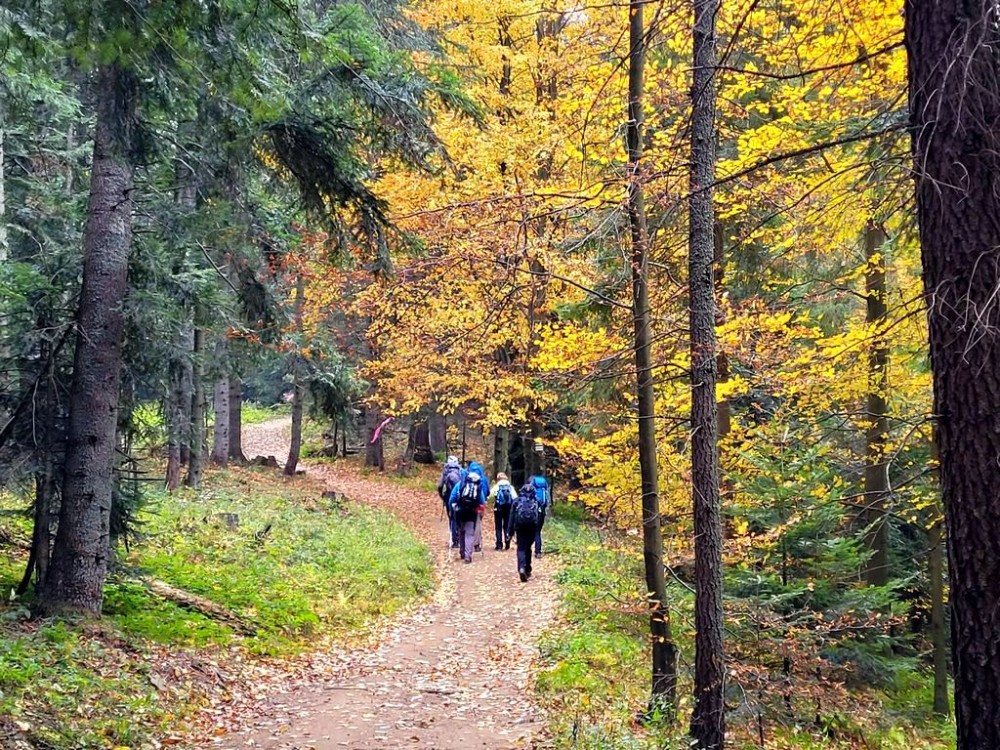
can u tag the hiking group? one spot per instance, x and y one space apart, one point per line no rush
517 515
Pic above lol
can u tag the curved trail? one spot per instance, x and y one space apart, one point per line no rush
455 673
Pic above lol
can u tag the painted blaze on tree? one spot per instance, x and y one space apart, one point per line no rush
955 117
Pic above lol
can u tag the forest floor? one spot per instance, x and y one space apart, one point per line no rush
456 672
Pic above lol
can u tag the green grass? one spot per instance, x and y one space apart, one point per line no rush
316 570
254 413
594 679
320 572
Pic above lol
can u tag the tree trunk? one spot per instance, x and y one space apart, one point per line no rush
3 195
177 424
877 432
664 653
236 420
299 394
82 545
220 402
501 451
186 392
295 446
954 94
939 631
708 719
374 455
196 450
437 433
422 452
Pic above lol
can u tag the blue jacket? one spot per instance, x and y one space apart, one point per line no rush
484 488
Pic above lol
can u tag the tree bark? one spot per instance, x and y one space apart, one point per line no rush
186 392
374 454
708 719
877 431
196 450
422 452
177 424
501 451
437 433
954 96
82 545
664 653
236 420
939 631
299 393
220 402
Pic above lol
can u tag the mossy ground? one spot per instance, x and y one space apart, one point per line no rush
319 571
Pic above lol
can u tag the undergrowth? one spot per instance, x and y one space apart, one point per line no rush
594 680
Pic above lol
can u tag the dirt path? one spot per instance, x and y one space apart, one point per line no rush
456 673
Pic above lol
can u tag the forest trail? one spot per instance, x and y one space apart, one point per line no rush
455 673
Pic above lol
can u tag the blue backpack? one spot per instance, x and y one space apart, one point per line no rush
542 494
505 495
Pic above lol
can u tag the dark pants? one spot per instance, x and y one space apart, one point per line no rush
501 522
524 536
538 533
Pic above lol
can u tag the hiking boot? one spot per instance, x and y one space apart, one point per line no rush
478 548
507 545
538 555
499 548
454 545
524 576
468 561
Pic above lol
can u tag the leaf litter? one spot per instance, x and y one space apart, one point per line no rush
457 671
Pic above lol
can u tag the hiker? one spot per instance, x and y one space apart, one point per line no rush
543 495
503 494
451 475
467 500
524 517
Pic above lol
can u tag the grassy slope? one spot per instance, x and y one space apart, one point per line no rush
594 679
319 572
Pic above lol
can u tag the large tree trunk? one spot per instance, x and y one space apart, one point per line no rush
196 454
422 452
236 420
708 720
82 545
437 433
954 92
877 432
664 653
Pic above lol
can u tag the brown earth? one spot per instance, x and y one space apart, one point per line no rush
455 673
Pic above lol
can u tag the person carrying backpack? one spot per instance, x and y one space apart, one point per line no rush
543 495
451 475
524 517
467 500
504 496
